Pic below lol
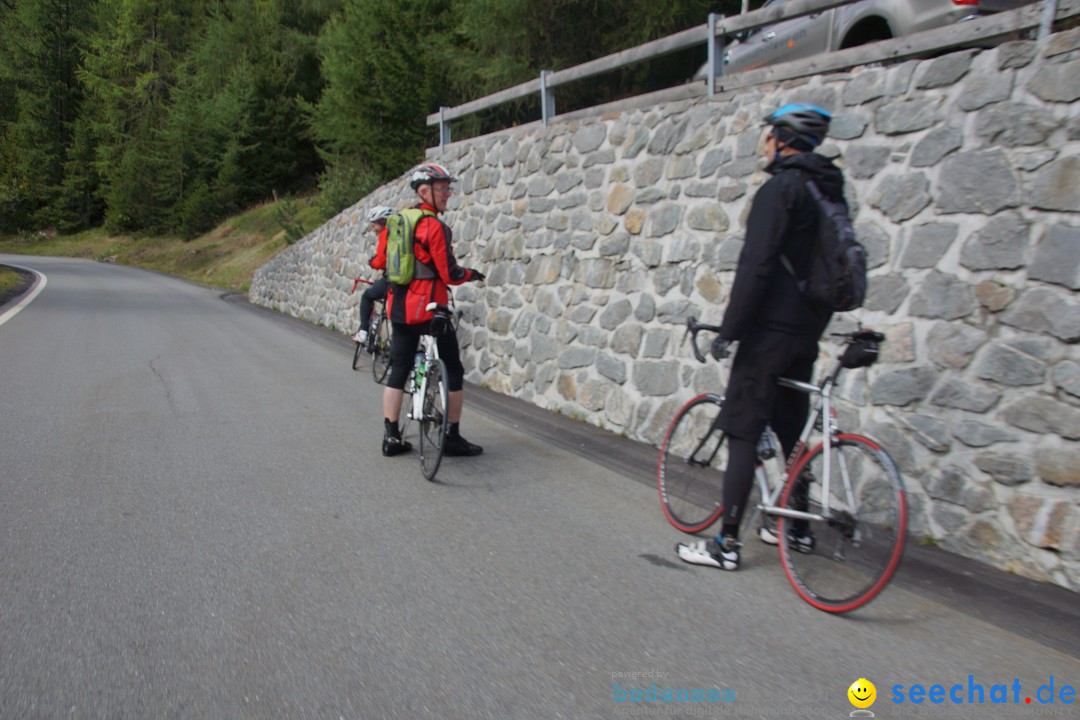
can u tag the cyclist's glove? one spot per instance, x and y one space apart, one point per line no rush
721 348
476 276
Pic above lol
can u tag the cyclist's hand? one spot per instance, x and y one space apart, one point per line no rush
721 348
476 276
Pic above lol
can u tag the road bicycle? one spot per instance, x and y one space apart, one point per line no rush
839 515
378 341
428 384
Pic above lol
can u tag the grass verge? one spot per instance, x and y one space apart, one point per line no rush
226 257
8 280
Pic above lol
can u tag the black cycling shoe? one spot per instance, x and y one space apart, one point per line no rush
392 446
456 445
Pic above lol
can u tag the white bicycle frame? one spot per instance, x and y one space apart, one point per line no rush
420 377
822 409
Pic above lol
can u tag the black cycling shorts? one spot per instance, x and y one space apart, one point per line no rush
403 344
753 398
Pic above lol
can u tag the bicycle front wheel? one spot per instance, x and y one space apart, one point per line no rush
690 472
844 558
380 350
356 355
434 418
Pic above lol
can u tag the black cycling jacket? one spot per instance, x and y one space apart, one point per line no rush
782 221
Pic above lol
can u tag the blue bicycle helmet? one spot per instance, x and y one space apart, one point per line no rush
806 122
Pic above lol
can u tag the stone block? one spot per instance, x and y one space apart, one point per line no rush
1010 124
946 70
1057 82
1015 54
1041 521
1040 414
1009 470
982 89
1067 377
977 434
615 314
1047 311
927 244
901 197
663 219
977 182
611 368
1001 244
866 161
864 86
886 292
908 116
590 137
962 395
1057 185
708 217
1057 257
937 143
994 296
902 387
627 340
942 296
1059 466
656 378
1009 365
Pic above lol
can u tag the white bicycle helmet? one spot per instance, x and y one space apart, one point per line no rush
429 173
379 212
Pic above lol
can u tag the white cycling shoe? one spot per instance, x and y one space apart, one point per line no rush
710 553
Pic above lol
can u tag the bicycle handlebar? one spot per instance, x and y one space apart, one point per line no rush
357 281
693 327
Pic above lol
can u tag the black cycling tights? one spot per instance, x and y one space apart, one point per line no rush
738 480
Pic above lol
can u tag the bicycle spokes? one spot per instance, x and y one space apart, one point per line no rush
846 549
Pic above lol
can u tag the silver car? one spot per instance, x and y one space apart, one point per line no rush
838 28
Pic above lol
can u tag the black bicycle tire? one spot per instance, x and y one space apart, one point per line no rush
356 355
692 492
791 559
433 422
380 356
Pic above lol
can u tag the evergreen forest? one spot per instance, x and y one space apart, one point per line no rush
164 116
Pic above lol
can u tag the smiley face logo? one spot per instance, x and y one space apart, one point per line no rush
862 693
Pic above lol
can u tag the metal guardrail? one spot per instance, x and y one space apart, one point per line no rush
1039 15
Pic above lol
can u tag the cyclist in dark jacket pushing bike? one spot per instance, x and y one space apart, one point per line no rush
776 327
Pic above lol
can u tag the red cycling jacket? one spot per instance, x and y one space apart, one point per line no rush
433 249
378 261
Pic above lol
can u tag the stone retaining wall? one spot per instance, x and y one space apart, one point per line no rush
600 236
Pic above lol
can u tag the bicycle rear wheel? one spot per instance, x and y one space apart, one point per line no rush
380 350
434 419
842 562
690 472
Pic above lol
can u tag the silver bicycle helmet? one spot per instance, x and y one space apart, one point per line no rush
807 122
429 173
379 212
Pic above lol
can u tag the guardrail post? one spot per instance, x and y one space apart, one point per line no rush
444 129
547 98
1047 24
715 51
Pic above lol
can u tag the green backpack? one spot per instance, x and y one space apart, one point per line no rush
401 265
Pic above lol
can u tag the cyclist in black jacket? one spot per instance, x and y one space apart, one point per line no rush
776 327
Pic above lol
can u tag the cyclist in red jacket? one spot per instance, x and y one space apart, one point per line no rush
377 290
436 268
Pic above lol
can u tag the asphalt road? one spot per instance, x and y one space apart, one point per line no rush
196 522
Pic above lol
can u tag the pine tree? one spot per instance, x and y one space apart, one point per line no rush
41 99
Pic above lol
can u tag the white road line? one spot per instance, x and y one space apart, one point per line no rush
39 285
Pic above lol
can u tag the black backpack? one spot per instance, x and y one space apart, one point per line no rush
837 275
